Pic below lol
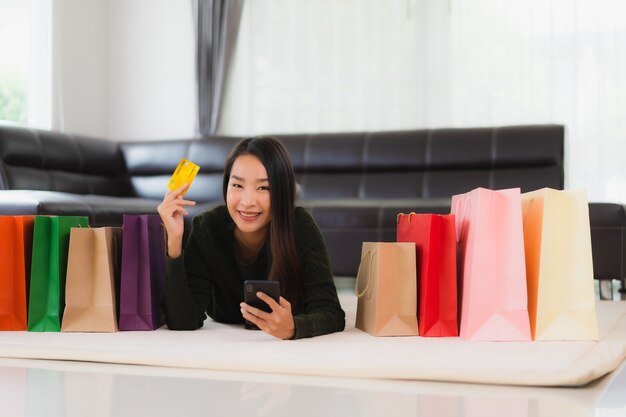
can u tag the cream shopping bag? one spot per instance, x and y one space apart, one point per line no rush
386 287
557 241
92 272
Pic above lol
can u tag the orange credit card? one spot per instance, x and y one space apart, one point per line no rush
184 174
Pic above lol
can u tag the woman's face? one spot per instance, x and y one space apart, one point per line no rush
248 195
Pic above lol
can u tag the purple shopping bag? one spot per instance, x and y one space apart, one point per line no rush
143 273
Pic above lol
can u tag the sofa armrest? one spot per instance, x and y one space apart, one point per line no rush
608 239
101 210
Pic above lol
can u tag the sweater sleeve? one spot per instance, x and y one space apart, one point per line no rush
188 287
320 311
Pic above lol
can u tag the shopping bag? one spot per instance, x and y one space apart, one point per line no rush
92 276
557 239
386 288
16 236
143 273
492 269
49 264
435 247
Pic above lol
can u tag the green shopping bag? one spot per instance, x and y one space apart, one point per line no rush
51 237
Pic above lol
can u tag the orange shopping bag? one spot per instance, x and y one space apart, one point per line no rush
492 268
16 238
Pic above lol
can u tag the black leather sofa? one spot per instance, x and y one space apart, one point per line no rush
353 183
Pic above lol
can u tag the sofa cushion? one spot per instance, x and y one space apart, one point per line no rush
151 164
428 163
40 160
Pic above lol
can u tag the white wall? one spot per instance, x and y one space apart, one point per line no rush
79 102
151 74
124 68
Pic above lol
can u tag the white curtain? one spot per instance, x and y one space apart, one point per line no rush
363 65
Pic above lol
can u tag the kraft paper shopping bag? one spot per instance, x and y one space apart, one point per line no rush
435 246
387 290
92 277
492 268
557 238
49 265
16 235
143 273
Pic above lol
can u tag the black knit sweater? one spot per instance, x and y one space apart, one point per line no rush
208 280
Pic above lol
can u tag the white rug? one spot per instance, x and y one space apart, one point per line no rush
351 353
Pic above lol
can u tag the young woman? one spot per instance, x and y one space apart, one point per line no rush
257 235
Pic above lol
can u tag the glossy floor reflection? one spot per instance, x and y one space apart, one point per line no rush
57 389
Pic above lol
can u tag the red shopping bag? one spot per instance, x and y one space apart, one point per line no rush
435 244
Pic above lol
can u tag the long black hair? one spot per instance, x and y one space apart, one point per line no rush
285 262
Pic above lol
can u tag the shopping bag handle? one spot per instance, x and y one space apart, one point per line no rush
116 261
459 217
358 293
402 214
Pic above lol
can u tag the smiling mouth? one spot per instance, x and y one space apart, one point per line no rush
248 215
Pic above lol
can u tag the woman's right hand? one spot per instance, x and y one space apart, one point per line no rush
172 212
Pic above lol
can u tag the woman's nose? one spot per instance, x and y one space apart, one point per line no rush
247 197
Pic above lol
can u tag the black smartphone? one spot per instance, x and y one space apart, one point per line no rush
251 287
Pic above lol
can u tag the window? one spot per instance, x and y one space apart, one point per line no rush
25 70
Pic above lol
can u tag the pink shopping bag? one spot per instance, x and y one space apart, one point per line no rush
492 270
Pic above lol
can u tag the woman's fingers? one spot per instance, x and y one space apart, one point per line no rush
172 205
284 303
262 324
179 191
279 323
179 202
255 311
175 194
168 208
268 300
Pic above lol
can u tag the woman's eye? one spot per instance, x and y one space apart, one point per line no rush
264 188
237 186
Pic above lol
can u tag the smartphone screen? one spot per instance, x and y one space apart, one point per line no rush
251 287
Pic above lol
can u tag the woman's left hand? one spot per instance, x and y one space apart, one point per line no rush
279 323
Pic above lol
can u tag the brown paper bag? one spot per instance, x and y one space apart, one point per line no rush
386 287
92 275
